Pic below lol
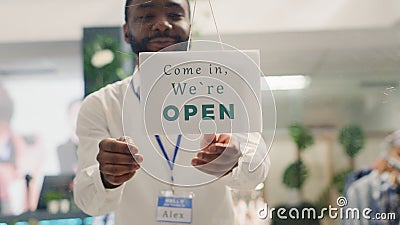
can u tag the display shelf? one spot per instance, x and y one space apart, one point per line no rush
41 215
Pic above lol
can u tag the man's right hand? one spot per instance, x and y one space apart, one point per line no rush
118 161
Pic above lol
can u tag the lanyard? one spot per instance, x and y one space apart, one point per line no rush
171 163
134 91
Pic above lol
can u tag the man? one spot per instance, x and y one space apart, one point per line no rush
109 177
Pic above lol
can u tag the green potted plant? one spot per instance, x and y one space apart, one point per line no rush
56 201
352 139
102 62
295 175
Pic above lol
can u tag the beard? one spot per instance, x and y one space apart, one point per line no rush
141 46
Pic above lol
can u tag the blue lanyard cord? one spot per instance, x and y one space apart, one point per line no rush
178 142
134 91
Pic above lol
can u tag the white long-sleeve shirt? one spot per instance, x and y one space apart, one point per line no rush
101 116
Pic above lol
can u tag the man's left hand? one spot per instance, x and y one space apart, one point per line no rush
219 155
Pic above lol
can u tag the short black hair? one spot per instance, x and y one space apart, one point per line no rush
128 2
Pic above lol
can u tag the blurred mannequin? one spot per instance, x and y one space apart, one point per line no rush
67 152
19 156
389 161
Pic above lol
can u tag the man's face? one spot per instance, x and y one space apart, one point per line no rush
155 24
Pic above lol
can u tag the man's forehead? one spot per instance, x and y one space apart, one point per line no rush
153 3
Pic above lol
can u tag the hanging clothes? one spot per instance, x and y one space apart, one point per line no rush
375 192
354 176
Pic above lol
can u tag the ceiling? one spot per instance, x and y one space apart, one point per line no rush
55 20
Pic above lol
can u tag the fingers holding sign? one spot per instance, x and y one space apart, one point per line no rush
118 161
218 154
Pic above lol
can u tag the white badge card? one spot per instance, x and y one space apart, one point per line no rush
174 208
201 92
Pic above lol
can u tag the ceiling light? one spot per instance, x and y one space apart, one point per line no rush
285 82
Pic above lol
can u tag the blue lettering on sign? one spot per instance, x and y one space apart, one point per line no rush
172 202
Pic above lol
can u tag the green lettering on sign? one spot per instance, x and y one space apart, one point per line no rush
168 109
190 110
223 111
208 112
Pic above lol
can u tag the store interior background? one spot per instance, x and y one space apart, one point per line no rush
350 50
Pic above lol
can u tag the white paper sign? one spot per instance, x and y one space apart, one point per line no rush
200 92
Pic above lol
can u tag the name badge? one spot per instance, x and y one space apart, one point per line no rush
174 208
